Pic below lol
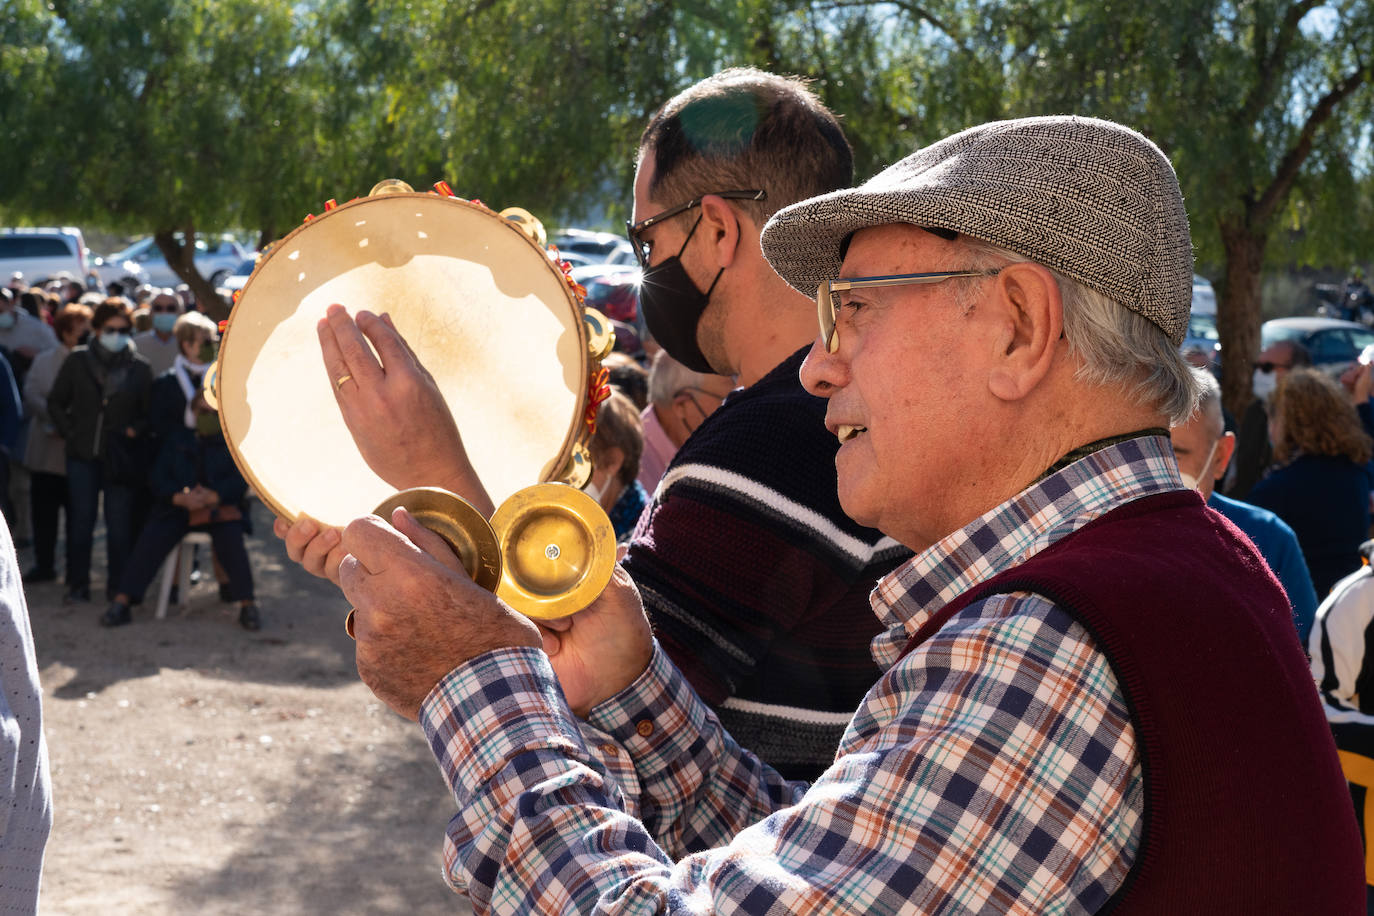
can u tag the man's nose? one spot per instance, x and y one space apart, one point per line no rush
822 372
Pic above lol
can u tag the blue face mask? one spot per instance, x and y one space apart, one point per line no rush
163 322
7 320
114 341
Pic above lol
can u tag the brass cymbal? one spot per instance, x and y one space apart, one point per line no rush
456 521
207 386
390 186
578 469
528 223
559 550
600 334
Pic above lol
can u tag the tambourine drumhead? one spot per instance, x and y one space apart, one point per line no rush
486 311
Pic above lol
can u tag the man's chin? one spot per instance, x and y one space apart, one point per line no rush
858 507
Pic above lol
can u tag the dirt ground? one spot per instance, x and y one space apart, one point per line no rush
199 768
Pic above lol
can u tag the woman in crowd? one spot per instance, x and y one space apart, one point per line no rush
99 405
616 448
195 483
46 454
1321 486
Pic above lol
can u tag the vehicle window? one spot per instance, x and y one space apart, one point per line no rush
1361 339
1331 346
25 246
1203 327
1270 335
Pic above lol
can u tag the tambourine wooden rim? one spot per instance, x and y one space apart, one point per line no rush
564 465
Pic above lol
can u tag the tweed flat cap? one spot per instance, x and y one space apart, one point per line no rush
1089 198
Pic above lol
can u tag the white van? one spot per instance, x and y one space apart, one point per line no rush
42 254
1202 323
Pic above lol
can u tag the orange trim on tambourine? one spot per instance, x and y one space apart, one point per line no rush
441 188
598 391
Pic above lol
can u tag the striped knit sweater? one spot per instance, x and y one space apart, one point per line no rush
756 581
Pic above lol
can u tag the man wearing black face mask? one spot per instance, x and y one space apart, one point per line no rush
755 580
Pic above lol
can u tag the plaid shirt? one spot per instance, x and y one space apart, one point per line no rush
992 769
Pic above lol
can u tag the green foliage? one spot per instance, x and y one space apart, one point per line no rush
160 114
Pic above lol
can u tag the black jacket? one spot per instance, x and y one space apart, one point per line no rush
183 457
98 395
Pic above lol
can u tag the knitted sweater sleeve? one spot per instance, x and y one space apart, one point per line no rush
745 539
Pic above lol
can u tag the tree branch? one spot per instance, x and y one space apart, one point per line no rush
1263 208
1269 65
911 9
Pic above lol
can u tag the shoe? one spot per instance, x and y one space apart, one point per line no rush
116 615
80 593
248 617
36 575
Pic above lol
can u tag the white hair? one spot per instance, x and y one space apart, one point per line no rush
667 377
1116 347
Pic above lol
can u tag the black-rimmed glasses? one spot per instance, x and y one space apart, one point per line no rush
828 294
641 247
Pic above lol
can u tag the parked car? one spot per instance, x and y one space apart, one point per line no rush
1333 344
215 258
41 254
1202 322
596 247
612 289
239 277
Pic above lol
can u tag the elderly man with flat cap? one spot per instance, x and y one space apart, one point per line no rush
999 315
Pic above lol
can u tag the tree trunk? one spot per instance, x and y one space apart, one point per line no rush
1238 311
181 258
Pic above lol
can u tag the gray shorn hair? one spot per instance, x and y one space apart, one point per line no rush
667 377
1209 402
1118 347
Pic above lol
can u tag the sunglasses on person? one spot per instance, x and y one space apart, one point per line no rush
633 230
828 301
1268 367
164 309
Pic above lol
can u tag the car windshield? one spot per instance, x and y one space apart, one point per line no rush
245 267
1274 333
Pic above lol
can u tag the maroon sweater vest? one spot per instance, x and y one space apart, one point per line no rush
1246 810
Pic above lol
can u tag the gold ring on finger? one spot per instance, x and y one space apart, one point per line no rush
342 379
348 624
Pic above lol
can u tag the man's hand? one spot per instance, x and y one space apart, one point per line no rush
395 412
599 651
417 613
318 549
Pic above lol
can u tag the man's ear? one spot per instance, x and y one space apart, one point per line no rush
1030 314
1226 447
720 223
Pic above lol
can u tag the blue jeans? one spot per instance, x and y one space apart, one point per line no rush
85 483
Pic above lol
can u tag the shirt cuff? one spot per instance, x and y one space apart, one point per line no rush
658 719
488 710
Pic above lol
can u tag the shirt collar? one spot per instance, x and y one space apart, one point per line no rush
1053 507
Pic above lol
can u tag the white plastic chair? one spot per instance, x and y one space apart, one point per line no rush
177 569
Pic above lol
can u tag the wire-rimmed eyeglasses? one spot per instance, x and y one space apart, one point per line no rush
828 294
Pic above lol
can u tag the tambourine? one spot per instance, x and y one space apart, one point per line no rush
489 312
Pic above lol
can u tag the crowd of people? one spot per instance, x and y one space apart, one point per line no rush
104 420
